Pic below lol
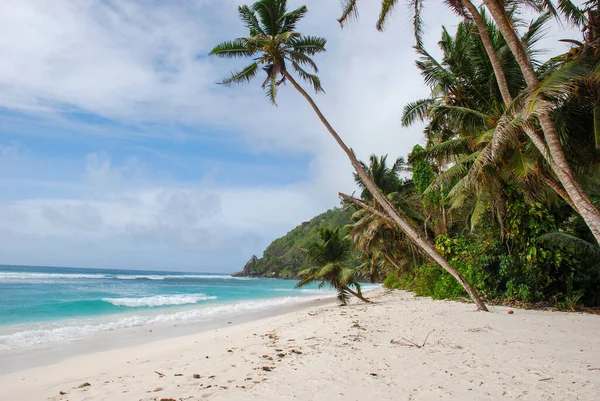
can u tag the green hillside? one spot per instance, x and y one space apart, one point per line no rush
284 257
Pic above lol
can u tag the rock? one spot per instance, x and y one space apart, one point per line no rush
247 268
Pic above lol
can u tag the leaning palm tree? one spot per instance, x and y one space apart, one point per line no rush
328 259
274 45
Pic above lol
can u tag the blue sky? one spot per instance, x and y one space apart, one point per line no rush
118 150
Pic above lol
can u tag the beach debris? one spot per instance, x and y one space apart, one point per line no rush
295 351
178 374
272 336
593 368
373 374
206 356
268 368
168 399
211 377
546 379
270 358
196 376
86 384
159 374
281 355
156 390
510 312
62 393
408 343
229 350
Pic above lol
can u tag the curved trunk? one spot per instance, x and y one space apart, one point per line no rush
357 295
427 246
558 160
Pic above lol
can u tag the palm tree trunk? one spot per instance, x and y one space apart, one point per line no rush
491 52
357 295
558 160
427 246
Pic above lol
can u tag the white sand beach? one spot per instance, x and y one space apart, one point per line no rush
358 352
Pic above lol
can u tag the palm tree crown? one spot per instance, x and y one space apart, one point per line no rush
273 44
328 258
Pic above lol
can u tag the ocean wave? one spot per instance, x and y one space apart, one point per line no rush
11 276
178 276
46 276
159 300
140 277
40 336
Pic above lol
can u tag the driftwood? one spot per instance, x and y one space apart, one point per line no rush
408 343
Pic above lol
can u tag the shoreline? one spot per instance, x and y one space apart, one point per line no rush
37 355
359 352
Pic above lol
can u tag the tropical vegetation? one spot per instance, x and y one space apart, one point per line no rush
502 201
329 265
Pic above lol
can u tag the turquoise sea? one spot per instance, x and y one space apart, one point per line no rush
45 304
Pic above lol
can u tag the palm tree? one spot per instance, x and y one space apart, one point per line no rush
549 145
273 45
557 158
383 245
462 112
328 258
386 178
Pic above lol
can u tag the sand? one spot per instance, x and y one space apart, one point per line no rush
358 352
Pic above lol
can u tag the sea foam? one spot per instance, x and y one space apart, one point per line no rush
40 336
159 300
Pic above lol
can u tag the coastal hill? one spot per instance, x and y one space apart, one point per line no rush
284 257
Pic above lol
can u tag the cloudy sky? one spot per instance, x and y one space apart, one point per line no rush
118 150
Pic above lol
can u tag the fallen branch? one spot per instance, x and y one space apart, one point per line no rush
409 343
159 374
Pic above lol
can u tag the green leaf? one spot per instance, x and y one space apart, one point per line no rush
242 76
232 49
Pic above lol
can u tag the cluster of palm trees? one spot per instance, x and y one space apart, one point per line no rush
495 115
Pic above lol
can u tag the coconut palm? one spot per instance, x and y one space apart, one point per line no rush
462 112
274 45
383 245
328 258
549 143
557 159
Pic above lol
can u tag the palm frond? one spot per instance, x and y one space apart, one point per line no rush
232 49
386 9
578 245
416 7
250 20
291 18
243 76
302 59
267 11
312 79
415 111
349 11
310 45
573 14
